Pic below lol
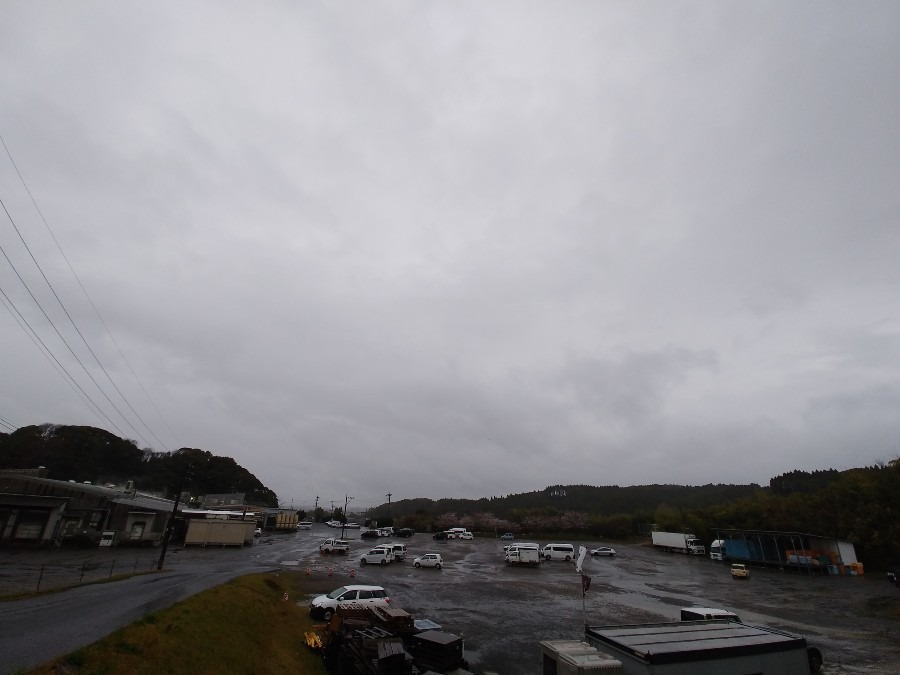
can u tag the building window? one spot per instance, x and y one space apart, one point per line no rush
137 530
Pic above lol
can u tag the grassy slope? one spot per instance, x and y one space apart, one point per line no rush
244 626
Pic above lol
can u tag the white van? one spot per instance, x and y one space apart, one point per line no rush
398 551
456 532
558 552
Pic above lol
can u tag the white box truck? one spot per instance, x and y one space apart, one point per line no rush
530 557
679 542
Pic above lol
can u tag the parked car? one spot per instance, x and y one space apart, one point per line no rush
740 571
257 532
405 532
334 546
893 575
507 536
558 552
429 560
465 535
603 551
439 536
324 606
369 534
378 556
454 532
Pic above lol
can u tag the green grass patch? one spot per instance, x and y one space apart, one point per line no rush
244 626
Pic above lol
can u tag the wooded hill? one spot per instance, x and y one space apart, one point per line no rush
91 454
858 505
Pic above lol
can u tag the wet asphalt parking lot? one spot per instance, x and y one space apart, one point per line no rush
503 612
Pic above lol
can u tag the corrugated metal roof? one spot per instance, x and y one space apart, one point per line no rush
688 640
147 502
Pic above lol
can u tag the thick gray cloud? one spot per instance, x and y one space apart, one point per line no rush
462 249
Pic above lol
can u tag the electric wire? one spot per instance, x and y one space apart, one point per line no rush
45 351
77 330
60 368
94 307
65 342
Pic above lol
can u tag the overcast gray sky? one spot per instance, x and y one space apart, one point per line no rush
460 249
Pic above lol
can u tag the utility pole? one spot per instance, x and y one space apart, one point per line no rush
171 524
388 495
347 500
315 508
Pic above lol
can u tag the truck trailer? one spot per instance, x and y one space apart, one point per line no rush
680 542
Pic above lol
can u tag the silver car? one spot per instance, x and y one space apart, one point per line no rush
429 560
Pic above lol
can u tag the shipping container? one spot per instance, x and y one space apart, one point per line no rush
209 532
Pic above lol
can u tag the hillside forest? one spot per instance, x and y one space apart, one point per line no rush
90 454
858 505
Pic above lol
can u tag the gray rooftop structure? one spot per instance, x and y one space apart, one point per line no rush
709 647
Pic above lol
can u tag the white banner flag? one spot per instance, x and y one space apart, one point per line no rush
582 551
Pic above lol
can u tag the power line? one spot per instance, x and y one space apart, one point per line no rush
77 330
45 351
65 342
94 307
60 368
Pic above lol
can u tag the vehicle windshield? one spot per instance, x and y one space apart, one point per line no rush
334 595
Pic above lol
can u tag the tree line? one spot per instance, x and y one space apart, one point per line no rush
858 505
89 454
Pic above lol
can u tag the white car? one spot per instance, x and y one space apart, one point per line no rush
429 560
324 606
465 535
377 556
603 550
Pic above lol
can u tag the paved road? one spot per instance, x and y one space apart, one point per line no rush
39 629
